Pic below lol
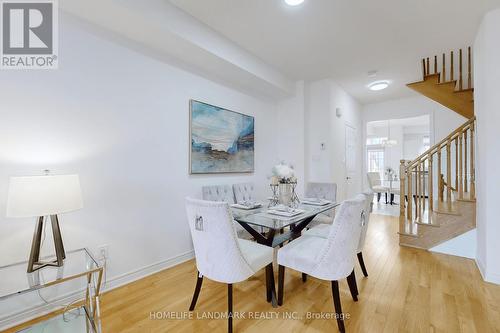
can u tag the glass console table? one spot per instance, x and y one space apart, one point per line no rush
81 274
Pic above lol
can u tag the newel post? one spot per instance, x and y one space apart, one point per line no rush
402 189
402 195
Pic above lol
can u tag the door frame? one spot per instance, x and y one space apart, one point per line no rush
346 172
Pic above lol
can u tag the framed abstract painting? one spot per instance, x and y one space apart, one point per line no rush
222 141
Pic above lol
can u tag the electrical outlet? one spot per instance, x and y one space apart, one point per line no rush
103 252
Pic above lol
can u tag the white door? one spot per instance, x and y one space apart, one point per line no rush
350 161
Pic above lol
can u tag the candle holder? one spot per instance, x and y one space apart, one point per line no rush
285 194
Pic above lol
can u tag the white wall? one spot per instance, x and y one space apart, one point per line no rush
487 85
323 126
442 120
290 133
412 146
120 120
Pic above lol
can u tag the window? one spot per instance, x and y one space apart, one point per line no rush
375 141
375 160
426 142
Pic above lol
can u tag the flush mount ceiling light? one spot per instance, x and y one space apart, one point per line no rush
378 85
294 2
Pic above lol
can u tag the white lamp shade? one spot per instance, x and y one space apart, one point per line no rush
43 195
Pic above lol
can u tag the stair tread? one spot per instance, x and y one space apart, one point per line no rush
446 207
408 234
467 197
442 227
465 90
433 223
451 84
448 82
410 228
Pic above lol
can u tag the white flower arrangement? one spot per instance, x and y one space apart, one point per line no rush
283 173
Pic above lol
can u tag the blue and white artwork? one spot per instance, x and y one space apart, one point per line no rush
222 141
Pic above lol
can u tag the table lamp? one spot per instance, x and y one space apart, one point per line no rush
40 197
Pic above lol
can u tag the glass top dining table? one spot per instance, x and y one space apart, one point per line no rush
259 217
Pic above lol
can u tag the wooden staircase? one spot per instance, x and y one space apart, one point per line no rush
438 193
445 89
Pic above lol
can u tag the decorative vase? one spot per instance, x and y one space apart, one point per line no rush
285 192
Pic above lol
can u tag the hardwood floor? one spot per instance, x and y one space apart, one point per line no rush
408 290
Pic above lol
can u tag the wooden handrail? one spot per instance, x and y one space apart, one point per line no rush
443 142
446 167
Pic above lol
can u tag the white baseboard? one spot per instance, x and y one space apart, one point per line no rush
481 268
488 277
115 282
493 278
142 272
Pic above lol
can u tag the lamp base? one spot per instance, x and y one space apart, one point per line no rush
34 262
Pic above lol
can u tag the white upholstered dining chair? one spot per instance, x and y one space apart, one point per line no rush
218 193
330 258
224 193
244 192
327 191
324 229
222 256
375 183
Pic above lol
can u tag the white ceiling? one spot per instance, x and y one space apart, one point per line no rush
344 39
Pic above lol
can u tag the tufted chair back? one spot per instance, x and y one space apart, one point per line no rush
374 179
327 191
366 218
216 247
244 192
337 258
218 193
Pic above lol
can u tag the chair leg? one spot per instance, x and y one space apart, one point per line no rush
353 287
338 306
270 285
230 308
281 282
197 289
378 196
304 277
362 264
